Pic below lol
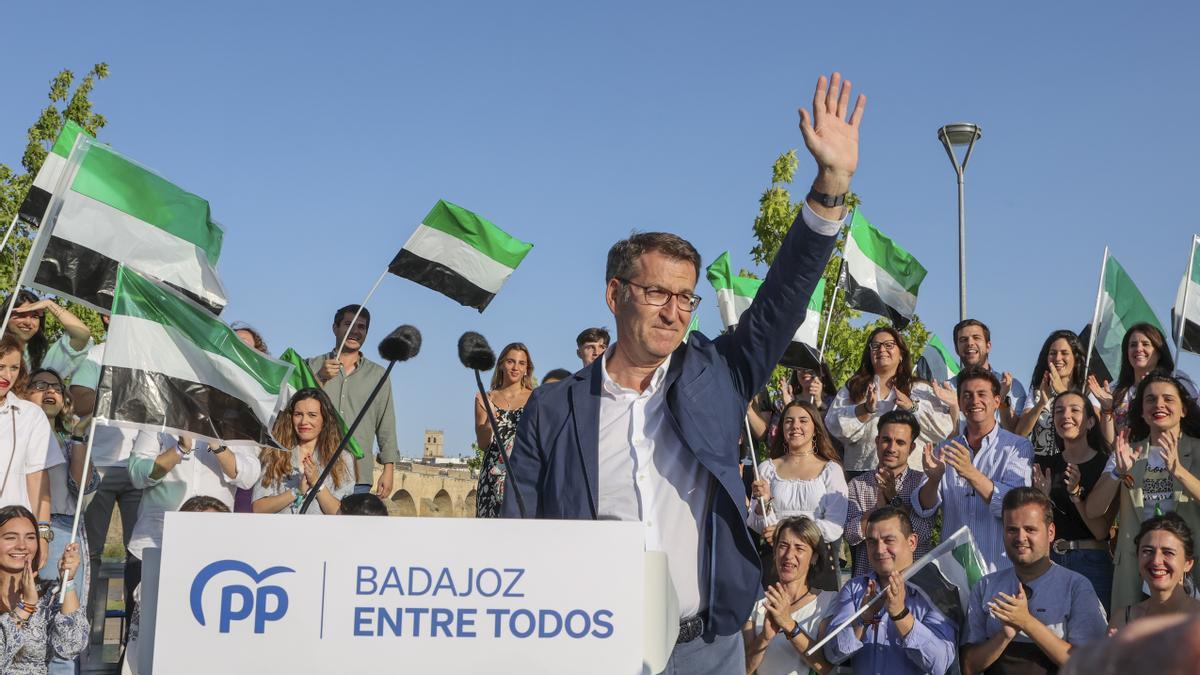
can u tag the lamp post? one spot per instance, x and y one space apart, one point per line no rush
955 136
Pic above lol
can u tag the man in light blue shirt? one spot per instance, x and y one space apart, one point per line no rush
973 344
969 475
902 633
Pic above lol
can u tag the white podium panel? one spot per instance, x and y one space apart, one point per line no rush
337 594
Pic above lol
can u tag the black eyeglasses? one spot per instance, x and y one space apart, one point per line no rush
42 385
653 295
883 346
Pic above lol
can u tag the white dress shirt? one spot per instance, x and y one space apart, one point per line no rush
858 438
25 423
198 473
647 475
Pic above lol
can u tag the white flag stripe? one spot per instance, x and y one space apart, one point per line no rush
808 332
472 264
47 176
731 305
866 273
139 245
142 344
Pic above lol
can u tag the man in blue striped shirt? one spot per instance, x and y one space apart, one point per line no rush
969 475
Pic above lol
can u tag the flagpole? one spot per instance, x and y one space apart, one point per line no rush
837 286
1087 362
1187 283
83 481
754 463
359 311
8 233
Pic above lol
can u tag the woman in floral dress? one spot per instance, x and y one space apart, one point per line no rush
512 383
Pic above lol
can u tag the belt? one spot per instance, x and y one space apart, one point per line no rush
690 629
1063 546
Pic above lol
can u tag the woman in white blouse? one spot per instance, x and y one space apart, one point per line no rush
884 382
790 616
803 478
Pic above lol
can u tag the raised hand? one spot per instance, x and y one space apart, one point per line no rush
1103 393
28 583
1006 381
904 402
830 137
935 466
778 605
1057 384
785 391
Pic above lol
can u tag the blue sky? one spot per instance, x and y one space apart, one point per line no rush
322 135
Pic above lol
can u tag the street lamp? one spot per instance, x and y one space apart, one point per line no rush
955 136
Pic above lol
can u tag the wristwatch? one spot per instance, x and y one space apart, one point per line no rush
217 450
45 532
825 200
794 632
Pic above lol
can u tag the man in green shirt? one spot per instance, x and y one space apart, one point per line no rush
349 379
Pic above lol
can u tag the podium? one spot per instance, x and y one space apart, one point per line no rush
277 593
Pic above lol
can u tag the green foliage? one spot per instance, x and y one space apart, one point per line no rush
65 103
475 463
845 343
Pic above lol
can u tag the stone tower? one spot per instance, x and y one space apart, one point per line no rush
434 442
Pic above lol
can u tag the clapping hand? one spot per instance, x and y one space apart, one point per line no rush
1125 455
1057 384
308 473
1041 480
1071 480
904 402
1170 450
831 139
895 593
1006 381
1011 610
870 403
1103 393
886 481
958 456
778 606
933 462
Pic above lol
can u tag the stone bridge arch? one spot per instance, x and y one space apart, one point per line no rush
430 490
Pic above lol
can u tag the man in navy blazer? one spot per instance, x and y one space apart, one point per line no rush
649 432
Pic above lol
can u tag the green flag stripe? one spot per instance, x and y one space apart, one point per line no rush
1129 305
947 355
66 138
1195 275
139 297
721 277
818 297
107 177
478 232
886 254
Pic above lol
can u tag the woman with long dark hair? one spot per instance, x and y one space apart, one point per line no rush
512 383
1059 367
34 626
24 441
309 428
803 478
885 381
1143 350
1153 470
28 326
789 617
1067 477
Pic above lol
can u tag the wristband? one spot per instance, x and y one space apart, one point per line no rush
794 632
899 617
826 200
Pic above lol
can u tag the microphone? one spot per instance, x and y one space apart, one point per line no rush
400 345
475 353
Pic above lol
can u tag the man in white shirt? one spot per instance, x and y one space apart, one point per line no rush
649 433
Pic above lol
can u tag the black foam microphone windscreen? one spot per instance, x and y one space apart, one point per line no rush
401 344
474 352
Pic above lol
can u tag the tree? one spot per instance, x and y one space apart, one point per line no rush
844 346
65 104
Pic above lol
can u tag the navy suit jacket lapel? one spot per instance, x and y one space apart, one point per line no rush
585 412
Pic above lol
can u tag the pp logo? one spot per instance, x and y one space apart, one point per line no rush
238 601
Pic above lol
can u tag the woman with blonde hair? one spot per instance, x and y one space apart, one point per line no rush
512 383
309 428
